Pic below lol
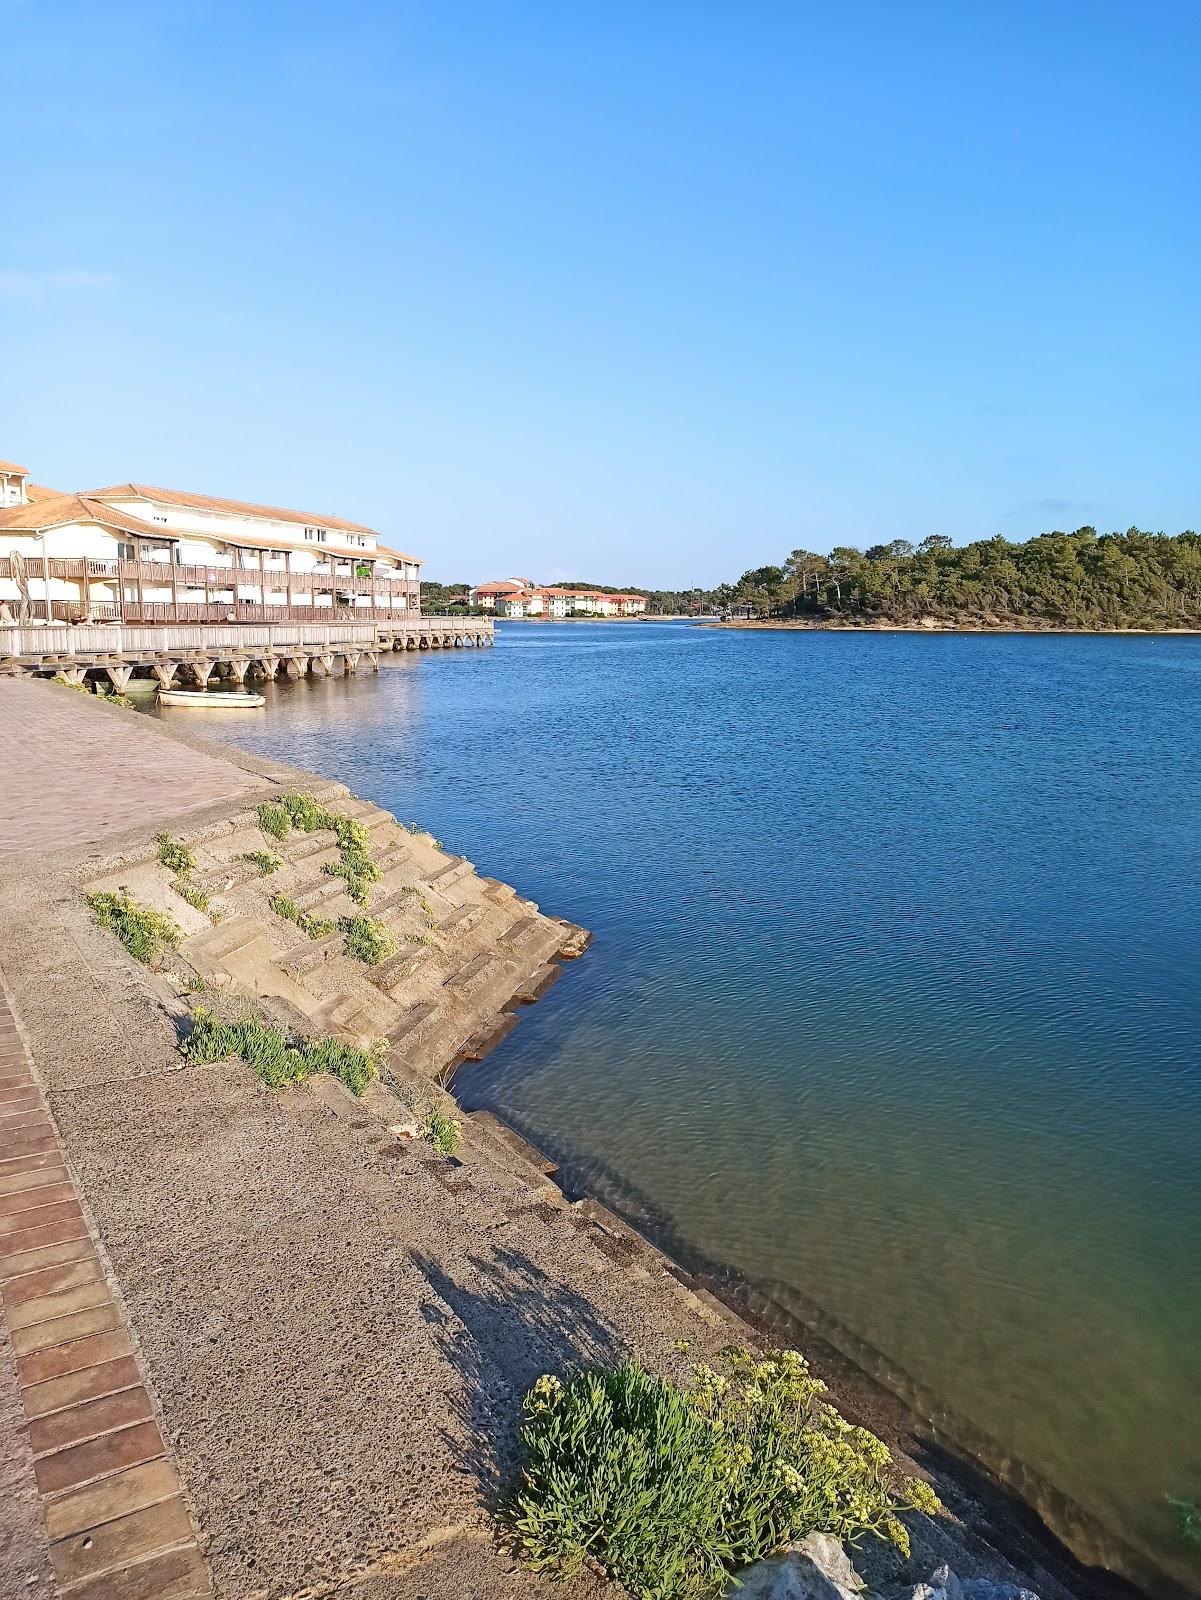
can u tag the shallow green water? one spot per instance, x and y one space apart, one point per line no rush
893 1001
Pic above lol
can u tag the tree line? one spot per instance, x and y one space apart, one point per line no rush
1078 579
1084 579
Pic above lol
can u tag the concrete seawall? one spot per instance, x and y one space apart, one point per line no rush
314 1332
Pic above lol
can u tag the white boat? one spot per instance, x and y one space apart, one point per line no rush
239 701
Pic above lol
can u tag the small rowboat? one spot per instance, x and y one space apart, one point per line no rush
239 701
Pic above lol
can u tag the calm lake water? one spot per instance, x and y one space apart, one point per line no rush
893 1001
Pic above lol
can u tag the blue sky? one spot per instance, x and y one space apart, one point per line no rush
625 290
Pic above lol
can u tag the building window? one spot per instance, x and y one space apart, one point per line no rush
126 552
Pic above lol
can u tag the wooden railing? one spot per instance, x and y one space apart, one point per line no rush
165 574
92 639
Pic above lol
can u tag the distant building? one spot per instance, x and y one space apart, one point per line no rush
487 594
513 597
144 554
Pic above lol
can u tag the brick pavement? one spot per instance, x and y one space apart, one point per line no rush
74 773
114 1520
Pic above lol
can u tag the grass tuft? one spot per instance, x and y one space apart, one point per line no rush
264 860
314 927
443 1132
280 1058
146 934
192 893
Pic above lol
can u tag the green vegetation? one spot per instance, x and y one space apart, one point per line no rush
301 811
420 938
146 934
179 859
671 1488
110 696
422 900
1082 579
280 1058
312 927
367 939
443 1132
191 892
173 854
274 819
264 860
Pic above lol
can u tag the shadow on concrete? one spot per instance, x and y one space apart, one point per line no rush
511 1323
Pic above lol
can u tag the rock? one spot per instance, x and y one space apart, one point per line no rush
944 1585
817 1568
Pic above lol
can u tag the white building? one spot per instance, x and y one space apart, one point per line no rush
156 555
513 597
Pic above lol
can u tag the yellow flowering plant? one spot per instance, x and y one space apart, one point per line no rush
670 1488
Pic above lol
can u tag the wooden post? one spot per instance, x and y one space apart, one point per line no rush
175 580
137 553
288 577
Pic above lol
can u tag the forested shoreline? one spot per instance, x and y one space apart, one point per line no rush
1081 579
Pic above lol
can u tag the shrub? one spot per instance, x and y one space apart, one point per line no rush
280 1058
264 860
143 932
672 1488
314 927
359 877
174 854
274 819
420 938
444 1133
368 940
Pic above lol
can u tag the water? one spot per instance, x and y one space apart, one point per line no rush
893 999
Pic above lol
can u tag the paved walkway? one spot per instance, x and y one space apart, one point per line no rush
113 1521
75 773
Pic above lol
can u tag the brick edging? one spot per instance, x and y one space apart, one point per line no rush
110 1495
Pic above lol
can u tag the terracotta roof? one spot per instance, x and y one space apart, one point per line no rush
11 466
396 555
39 491
208 502
65 509
501 586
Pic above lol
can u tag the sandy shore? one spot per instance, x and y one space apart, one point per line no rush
930 625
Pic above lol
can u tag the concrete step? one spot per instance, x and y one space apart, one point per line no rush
405 964
520 935
538 982
500 1133
417 1022
396 857
488 1037
316 890
299 847
453 872
459 922
499 893
217 944
473 974
310 955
